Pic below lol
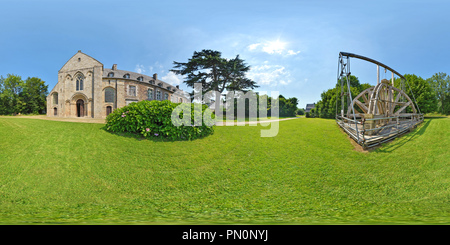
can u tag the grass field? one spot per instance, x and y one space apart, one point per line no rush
77 173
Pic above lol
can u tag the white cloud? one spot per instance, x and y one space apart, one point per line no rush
172 78
292 52
274 47
270 75
253 46
139 69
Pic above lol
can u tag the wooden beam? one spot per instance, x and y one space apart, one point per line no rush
362 106
402 108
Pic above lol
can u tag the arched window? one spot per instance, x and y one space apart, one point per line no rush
109 95
181 100
80 82
126 76
55 111
55 98
150 94
111 74
140 79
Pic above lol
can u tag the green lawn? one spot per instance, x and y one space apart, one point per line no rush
63 172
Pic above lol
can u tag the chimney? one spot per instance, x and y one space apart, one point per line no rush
155 76
114 67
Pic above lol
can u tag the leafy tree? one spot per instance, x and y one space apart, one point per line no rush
34 95
3 104
286 107
300 111
12 87
18 96
420 90
326 107
440 83
214 72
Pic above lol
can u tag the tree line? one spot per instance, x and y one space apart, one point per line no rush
287 107
432 94
22 96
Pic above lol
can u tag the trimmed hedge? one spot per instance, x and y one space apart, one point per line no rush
153 119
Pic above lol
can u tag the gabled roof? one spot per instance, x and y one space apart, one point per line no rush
89 63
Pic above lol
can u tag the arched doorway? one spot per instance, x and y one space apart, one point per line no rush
108 110
55 111
80 108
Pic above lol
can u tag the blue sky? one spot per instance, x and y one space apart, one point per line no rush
292 46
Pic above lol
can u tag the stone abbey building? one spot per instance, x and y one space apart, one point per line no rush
86 89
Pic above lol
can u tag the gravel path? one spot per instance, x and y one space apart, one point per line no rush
254 122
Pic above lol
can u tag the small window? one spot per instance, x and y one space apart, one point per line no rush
160 84
111 74
158 95
166 96
168 87
150 94
132 91
140 79
79 59
109 95
126 76
55 111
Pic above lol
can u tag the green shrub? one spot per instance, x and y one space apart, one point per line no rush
300 112
153 119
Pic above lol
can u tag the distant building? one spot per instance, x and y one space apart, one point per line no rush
309 107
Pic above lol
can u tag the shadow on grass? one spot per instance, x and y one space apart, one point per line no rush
402 140
434 117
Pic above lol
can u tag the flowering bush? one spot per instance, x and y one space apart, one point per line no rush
154 119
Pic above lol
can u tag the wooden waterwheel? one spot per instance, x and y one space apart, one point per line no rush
379 113
382 99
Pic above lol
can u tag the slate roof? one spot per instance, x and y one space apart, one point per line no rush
309 107
119 74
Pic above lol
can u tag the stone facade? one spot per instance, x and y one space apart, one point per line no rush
86 89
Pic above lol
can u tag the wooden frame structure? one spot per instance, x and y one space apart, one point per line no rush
379 113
